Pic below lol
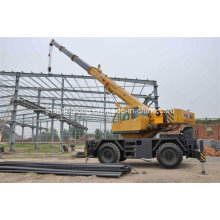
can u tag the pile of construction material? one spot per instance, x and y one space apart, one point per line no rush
211 147
209 151
211 143
75 169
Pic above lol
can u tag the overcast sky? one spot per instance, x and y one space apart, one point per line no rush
187 69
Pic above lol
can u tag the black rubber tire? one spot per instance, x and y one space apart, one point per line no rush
108 153
169 155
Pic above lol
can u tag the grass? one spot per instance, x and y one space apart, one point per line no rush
27 150
30 148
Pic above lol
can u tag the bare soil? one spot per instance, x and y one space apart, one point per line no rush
143 172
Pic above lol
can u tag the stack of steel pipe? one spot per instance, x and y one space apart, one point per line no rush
75 169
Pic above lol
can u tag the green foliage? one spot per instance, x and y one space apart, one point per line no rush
5 134
65 134
109 135
208 121
79 132
47 135
98 134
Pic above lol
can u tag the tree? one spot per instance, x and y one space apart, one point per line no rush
79 132
5 134
98 134
47 135
208 121
109 135
66 134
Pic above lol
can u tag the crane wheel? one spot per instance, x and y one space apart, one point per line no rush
108 153
169 155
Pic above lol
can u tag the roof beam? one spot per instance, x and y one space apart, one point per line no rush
68 99
22 74
9 122
65 90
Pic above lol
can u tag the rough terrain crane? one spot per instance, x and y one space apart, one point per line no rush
138 126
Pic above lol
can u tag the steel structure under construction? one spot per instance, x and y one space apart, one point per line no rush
41 99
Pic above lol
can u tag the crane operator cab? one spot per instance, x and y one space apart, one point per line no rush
136 121
130 117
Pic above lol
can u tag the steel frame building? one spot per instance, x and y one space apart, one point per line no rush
36 96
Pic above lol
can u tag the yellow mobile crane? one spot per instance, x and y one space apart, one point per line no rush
138 125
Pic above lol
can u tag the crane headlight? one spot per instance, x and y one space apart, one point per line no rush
157 113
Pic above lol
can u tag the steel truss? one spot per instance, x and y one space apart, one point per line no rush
36 96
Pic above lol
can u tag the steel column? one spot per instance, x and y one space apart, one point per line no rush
100 130
13 114
22 134
37 122
69 128
61 118
40 140
52 126
83 131
47 132
79 133
32 129
75 130
86 132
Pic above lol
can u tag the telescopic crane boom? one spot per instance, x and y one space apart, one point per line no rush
97 73
136 119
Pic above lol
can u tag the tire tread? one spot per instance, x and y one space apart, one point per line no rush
175 146
114 147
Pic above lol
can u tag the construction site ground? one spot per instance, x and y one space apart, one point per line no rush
143 171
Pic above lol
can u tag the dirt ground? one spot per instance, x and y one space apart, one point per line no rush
143 172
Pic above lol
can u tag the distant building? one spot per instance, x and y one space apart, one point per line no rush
203 131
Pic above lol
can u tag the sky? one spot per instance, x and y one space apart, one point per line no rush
187 70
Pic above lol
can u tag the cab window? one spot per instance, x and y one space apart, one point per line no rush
134 112
115 118
124 115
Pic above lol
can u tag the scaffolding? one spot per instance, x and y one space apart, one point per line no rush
72 99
